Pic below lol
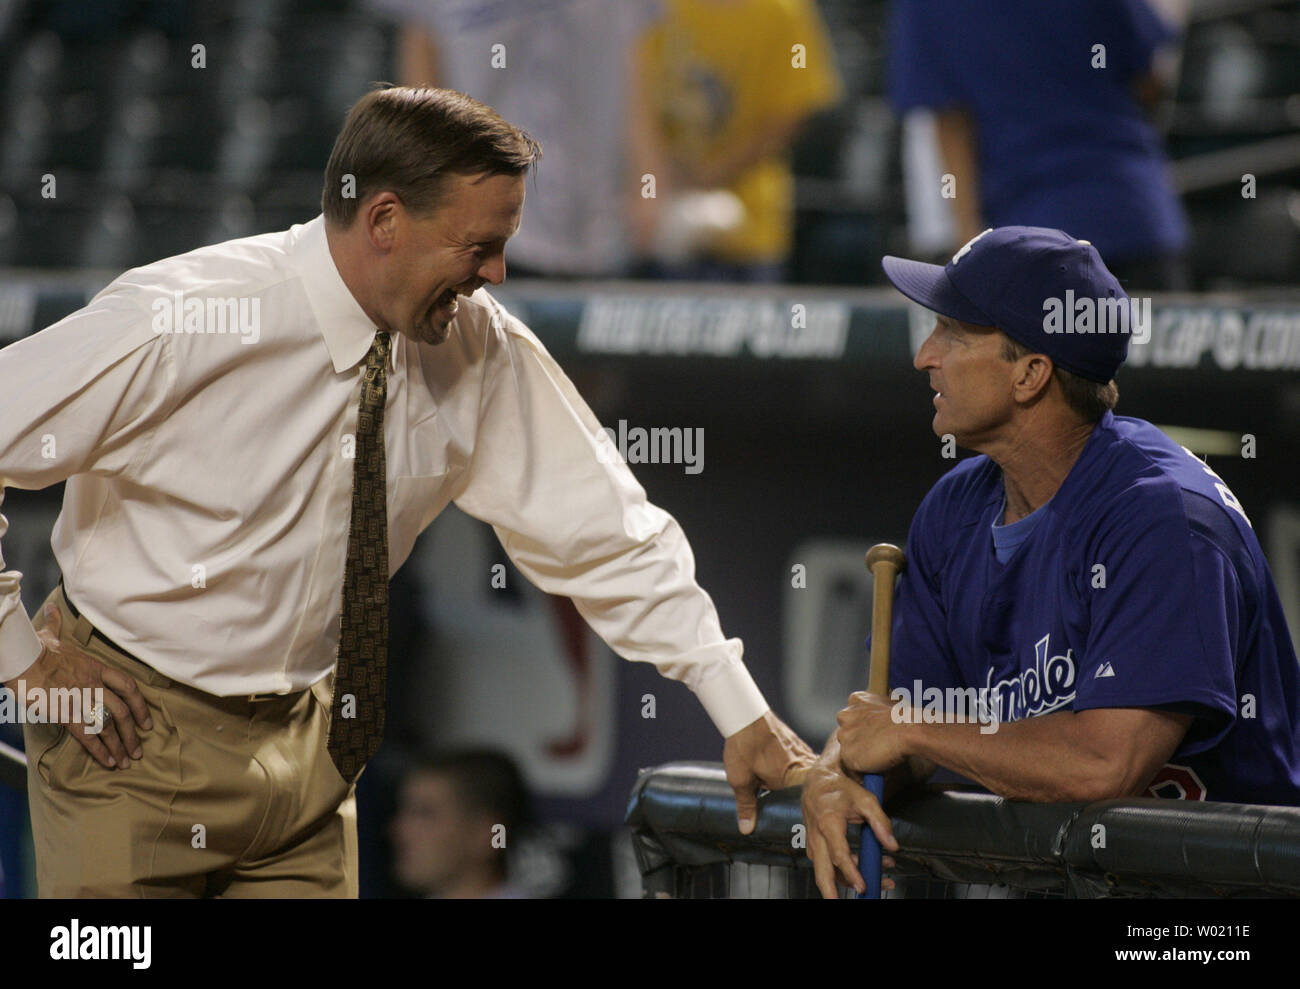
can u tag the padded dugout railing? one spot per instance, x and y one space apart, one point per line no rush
960 844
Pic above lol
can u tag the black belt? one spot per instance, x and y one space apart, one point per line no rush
93 630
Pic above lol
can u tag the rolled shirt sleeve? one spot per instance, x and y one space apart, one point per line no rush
577 523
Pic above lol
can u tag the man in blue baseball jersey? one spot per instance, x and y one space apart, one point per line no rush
1086 612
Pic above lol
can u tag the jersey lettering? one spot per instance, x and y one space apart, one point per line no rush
1225 494
1044 687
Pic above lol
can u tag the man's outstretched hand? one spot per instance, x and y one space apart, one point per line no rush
831 799
765 752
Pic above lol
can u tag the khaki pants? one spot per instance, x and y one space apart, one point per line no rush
233 797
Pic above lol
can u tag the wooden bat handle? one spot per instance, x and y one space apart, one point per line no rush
885 561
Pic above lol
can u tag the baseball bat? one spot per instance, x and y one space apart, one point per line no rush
885 562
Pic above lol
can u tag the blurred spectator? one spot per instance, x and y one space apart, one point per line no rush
728 84
457 814
561 70
1039 115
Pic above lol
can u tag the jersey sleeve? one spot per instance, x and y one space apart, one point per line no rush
920 648
1164 627
918 72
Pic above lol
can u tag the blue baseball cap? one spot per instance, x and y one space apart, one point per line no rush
1030 283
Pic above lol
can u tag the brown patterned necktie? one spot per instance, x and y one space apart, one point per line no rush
357 712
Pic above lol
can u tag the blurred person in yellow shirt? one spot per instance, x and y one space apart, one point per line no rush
728 84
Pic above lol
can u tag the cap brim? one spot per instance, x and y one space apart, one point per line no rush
929 285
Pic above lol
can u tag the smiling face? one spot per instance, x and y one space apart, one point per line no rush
975 384
425 263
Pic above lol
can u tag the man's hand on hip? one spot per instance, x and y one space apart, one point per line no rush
765 752
108 735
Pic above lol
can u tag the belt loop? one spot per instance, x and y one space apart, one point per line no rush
82 630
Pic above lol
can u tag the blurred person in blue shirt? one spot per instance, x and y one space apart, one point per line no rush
1041 120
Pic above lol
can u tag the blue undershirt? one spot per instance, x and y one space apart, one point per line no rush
1007 538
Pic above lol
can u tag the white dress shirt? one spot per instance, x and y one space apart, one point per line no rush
209 474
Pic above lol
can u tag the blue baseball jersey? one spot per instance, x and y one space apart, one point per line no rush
1140 584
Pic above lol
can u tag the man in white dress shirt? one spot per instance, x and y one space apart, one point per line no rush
223 419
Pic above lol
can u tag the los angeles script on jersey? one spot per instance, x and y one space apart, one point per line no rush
1041 688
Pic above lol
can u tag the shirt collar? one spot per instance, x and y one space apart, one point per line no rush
347 330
